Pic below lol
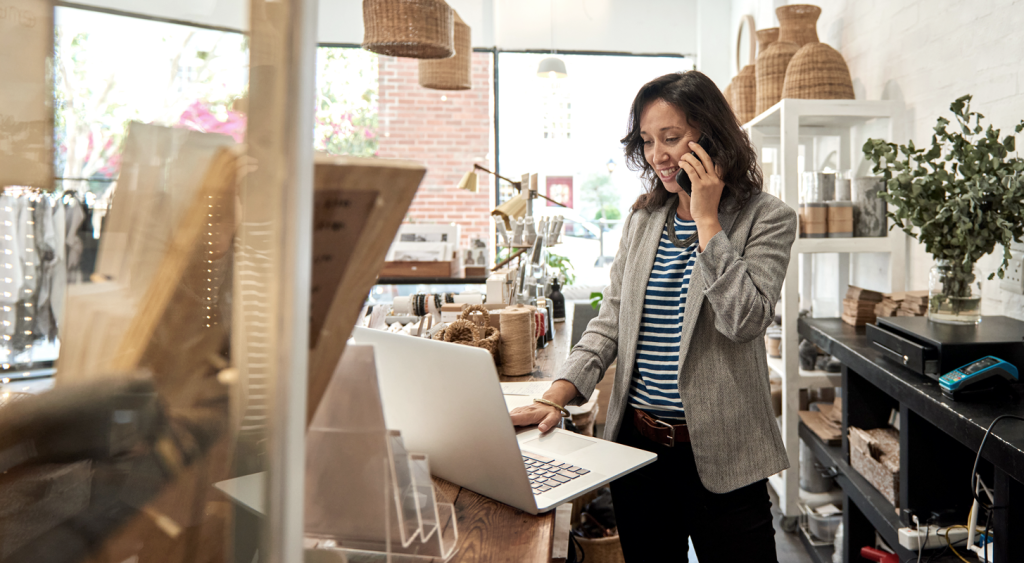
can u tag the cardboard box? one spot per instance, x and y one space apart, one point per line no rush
452 311
448 269
875 454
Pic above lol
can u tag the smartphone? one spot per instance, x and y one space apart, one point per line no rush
682 178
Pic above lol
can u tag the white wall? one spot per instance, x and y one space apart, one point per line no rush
923 55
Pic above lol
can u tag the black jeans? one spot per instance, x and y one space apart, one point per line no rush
660 506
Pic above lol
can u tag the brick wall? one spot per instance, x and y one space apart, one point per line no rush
446 130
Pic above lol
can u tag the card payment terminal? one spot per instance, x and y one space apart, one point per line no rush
986 371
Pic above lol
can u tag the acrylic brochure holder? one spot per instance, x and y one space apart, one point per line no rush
367 498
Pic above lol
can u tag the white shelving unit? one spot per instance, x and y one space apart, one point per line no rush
786 126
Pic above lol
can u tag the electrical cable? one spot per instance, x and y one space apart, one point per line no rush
988 538
920 546
974 470
949 545
953 549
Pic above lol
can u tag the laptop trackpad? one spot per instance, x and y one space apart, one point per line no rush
557 443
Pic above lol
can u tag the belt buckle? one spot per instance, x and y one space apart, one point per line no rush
671 432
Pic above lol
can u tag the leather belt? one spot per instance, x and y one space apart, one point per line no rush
660 431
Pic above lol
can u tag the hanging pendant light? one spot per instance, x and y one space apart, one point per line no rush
552 67
421 29
454 73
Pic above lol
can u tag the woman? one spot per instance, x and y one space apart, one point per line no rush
693 287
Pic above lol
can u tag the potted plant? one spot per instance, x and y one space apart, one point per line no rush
960 197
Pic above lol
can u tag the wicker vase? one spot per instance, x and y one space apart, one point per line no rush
745 103
421 29
453 73
798 23
766 37
744 94
818 72
770 73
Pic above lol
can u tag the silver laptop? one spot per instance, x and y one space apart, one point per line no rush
447 402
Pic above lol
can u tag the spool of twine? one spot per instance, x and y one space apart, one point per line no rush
517 340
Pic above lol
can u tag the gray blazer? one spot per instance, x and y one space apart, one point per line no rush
723 373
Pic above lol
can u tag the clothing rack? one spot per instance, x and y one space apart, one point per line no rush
41 247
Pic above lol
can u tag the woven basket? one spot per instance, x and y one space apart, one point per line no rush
421 29
490 337
466 331
453 73
798 23
602 550
818 72
744 85
770 73
744 94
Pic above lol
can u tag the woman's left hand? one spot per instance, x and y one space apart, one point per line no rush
706 179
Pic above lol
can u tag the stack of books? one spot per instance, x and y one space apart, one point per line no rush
889 304
859 306
915 304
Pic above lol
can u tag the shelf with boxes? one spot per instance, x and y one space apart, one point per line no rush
938 439
786 127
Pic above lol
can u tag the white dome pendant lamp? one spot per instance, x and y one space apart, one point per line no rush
552 67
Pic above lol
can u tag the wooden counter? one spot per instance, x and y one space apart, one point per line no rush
494 532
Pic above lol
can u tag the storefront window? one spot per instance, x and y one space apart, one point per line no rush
567 130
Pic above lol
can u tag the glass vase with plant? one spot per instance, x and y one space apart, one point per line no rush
960 197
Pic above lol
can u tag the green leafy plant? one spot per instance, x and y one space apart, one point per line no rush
960 197
563 265
596 297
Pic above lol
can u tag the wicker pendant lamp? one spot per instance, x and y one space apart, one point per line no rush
816 71
453 73
420 29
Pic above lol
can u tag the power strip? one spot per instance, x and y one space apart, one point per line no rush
913 539
980 551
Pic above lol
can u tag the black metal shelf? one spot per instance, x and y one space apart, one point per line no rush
963 420
879 511
431 281
819 554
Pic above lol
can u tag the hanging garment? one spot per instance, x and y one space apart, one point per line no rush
33 251
73 221
59 279
46 243
11 276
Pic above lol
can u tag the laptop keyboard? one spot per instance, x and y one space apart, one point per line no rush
547 473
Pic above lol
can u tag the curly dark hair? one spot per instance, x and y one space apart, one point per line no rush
705 107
